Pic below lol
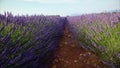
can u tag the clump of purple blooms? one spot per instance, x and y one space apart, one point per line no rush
28 41
98 33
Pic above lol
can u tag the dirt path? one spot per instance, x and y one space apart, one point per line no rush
70 56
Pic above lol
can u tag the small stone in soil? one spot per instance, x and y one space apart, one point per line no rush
73 45
69 35
75 61
84 61
88 54
80 54
88 62
61 59
66 61
84 55
65 42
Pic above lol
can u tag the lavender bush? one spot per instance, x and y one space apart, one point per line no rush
99 33
28 41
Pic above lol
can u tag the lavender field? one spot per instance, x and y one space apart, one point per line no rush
99 33
30 41
25 40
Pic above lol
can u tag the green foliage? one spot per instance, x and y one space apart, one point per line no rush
101 38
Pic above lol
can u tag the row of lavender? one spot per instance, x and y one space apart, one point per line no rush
28 41
99 33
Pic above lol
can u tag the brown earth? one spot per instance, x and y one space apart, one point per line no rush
68 55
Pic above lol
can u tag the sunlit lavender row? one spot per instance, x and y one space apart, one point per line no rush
99 33
28 41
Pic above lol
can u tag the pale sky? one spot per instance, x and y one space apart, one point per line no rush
58 7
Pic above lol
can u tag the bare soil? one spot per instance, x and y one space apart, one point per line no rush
68 55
